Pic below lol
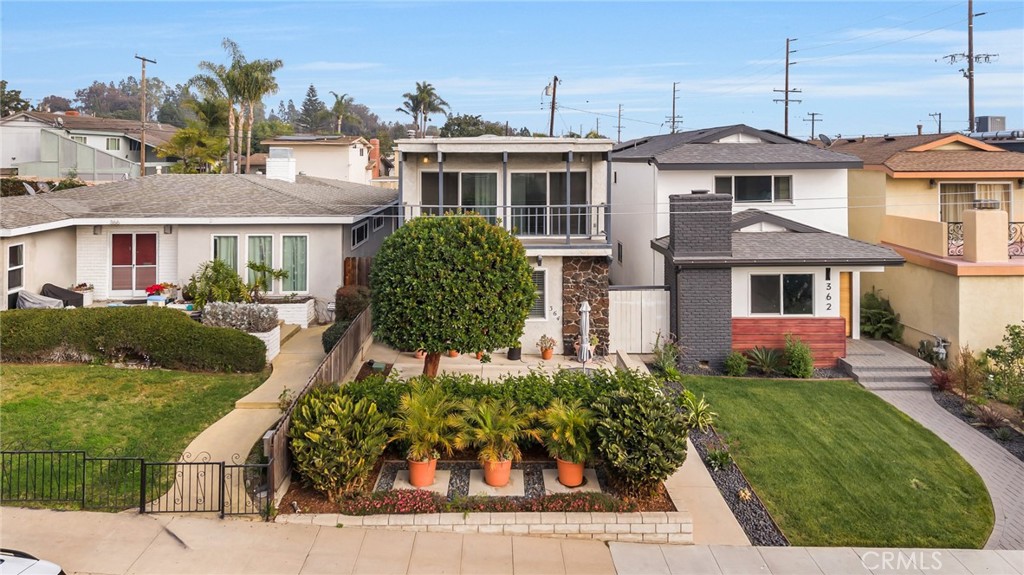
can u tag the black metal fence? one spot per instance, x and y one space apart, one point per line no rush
71 479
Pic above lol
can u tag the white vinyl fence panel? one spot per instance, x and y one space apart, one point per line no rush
636 317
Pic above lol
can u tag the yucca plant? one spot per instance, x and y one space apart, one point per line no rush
428 422
494 429
565 430
765 359
696 411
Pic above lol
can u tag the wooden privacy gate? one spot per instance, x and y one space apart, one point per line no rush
636 315
357 271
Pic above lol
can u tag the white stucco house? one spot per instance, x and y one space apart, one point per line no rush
333 156
759 168
122 237
550 192
52 145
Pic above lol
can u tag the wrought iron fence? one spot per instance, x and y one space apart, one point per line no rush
955 239
1016 239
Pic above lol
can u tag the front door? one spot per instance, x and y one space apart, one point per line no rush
846 300
133 263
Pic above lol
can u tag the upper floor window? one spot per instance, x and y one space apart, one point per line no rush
955 197
134 146
465 190
378 222
113 144
756 188
79 139
360 233
542 203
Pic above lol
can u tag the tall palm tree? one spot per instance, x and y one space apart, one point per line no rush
256 81
219 82
341 110
411 106
430 102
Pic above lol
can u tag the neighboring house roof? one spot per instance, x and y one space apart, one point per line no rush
931 154
196 198
800 245
156 133
703 149
314 139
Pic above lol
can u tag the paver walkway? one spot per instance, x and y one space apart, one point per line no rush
1002 473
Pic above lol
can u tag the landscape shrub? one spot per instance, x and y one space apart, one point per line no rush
736 364
332 334
422 501
941 379
878 320
718 455
247 317
696 410
666 357
641 437
159 336
1007 359
350 301
215 280
798 360
967 374
386 392
765 360
335 442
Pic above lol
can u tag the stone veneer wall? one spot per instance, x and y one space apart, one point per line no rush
647 527
585 278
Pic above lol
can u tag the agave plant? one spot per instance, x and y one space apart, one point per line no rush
765 359
428 422
565 430
494 429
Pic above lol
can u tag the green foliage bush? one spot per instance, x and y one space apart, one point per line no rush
335 442
332 334
1008 367
385 392
641 437
878 320
765 360
350 301
736 364
967 373
696 410
797 358
161 336
666 357
216 281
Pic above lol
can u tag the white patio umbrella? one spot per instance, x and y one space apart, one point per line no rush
584 353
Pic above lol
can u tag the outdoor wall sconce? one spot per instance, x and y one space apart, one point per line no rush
168 228
932 183
540 260
97 230
426 159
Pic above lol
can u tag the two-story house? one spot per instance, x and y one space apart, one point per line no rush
953 207
53 145
551 192
332 156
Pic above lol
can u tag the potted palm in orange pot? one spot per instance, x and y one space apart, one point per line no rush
494 429
428 423
565 431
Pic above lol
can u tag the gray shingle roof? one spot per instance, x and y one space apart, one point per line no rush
696 150
197 196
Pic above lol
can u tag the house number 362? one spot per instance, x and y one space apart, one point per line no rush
828 296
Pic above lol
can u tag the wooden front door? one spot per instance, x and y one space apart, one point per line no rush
846 300
133 263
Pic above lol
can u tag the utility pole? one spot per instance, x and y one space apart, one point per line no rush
939 114
786 92
553 92
597 130
971 59
143 116
672 119
618 137
813 120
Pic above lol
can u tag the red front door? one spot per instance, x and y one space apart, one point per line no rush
133 262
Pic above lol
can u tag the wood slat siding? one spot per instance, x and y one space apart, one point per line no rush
635 317
826 336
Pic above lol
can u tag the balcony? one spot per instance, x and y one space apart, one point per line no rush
955 239
575 224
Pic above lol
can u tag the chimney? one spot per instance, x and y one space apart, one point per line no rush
920 129
281 165
700 224
375 157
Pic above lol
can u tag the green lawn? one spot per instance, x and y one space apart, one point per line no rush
837 466
153 414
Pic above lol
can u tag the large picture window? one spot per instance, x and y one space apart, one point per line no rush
225 249
782 294
294 255
957 197
465 190
746 189
261 251
539 204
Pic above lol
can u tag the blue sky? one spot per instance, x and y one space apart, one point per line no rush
867 67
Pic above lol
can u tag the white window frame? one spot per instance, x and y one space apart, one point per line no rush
376 225
543 293
364 225
774 200
238 249
273 282
547 195
281 259
79 139
975 183
11 268
116 142
782 287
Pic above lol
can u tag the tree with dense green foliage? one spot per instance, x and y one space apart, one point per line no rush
1008 367
342 110
313 115
54 103
11 101
467 126
220 82
421 103
196 147
450 282
256 80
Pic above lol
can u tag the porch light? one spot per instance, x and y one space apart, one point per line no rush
540 260
97 230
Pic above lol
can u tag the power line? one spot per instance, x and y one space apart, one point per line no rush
971 58
813 120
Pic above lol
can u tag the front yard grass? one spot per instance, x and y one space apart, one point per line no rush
151 413
838 466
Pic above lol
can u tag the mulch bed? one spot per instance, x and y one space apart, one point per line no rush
366 370
955 405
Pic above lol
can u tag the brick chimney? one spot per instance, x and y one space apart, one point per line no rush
700 224
375 157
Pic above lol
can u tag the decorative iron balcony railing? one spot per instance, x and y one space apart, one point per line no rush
955 239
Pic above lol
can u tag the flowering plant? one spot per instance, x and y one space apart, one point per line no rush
82 287
546 342
157 289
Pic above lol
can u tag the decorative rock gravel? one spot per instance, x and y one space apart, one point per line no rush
954 404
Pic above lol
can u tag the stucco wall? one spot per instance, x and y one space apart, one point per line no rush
334 162
867 204
551 324
634 221
49 258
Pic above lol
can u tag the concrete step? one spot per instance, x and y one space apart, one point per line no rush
288 331
896 385
883 377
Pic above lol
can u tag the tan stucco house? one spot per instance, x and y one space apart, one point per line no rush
333 156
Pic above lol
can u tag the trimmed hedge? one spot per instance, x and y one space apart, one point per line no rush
164 337
332 334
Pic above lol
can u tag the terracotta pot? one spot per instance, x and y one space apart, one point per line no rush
547 353
496 473
453 353
570 474
420 354
479 355
421 473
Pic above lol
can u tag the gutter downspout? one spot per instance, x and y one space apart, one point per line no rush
608 199
401 196
568 188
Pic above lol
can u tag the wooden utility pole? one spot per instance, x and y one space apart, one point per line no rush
786 92
618 137
939 114
143 113
813 120
673 118
972 59
554 93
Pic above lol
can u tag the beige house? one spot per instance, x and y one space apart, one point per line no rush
336 157
953 207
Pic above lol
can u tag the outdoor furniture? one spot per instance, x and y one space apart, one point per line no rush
29 300
68 297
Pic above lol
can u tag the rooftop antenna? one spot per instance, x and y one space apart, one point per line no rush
825 140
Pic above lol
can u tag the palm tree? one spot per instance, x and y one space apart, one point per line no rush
421 103
256 81
341 110
411 106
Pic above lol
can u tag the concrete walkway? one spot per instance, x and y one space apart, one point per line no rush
692 489
1002 473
